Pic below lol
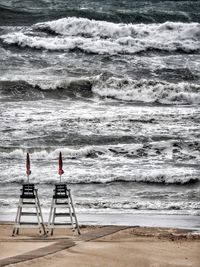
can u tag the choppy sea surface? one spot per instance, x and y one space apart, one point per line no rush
115 86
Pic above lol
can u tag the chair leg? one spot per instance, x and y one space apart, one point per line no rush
73 209
53 220
19 216
70 214
40 215
16 220
51 210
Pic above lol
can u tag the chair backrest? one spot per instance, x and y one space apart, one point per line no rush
60 191
28 191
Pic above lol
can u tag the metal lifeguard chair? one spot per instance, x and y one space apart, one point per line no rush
29 199
62 200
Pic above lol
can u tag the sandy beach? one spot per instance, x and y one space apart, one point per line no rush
101 246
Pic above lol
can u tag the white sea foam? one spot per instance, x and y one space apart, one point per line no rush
108 38
149 91
81 26
85 174
92 164
169 150
134 204
92 28
53 154
126 89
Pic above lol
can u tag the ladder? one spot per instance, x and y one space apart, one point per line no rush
29 199
62 199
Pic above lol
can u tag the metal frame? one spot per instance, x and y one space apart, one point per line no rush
62 198
29 199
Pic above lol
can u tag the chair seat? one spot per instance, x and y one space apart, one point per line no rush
60 196
27 196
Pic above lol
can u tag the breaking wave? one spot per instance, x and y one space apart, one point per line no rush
32 90
188 151
148 91
94 28
80 162
100 37
127 205
125 89
177 176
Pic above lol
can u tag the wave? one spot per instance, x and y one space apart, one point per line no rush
169 162
171 150
111 205
125 89
92 28
49 153
100 37
148 91
174 176
33 90
124 206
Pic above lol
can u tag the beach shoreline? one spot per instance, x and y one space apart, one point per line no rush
190 222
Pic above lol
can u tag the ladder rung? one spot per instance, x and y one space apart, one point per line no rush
63 223
60 206
60 197
28 206
63 214
27 225
60 225
61 203
29 213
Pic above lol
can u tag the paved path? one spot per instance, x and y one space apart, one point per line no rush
59 245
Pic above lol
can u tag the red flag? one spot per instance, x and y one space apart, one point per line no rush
60 171
28 165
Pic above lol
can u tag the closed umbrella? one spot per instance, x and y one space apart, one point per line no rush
60 170
28 166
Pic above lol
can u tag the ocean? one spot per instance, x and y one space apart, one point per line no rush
115 86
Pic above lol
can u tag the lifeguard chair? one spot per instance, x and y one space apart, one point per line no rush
62 206
29 200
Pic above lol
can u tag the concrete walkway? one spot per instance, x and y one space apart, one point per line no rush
63 243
